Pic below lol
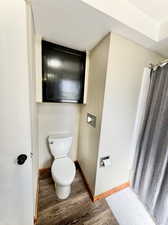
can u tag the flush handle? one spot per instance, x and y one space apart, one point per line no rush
21 159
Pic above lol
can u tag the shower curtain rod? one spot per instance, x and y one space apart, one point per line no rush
165 61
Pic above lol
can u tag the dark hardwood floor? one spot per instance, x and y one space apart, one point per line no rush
78 209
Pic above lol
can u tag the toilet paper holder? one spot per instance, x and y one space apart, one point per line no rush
103 160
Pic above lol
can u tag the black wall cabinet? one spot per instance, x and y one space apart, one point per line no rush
63 72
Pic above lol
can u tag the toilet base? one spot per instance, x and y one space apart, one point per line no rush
62 192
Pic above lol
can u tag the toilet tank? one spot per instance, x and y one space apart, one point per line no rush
59 146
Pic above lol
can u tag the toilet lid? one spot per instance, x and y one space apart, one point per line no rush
63 171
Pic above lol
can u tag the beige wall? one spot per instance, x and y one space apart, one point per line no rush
53 119
125 68
89 136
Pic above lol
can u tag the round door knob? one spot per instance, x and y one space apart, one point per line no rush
21 159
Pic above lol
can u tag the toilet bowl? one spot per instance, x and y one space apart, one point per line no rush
63 168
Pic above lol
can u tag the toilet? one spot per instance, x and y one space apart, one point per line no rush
63 168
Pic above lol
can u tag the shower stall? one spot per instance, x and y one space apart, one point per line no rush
150 143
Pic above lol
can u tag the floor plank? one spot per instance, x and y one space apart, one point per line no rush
78 209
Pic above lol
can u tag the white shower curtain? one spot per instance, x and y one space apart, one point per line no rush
139 115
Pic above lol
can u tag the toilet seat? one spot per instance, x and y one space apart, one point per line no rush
63 171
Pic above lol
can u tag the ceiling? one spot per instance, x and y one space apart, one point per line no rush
74 25
81 24
157 9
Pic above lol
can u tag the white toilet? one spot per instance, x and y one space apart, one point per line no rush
63 168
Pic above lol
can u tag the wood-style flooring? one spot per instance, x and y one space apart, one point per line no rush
78 209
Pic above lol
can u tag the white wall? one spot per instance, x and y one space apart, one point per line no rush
124 74
33 105
16 199
89 136
53 119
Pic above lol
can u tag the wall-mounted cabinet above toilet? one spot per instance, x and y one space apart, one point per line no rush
61 73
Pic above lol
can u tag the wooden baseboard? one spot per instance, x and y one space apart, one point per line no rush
40 173
37 201
105 194
43 171
110 192
35 220
84 179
